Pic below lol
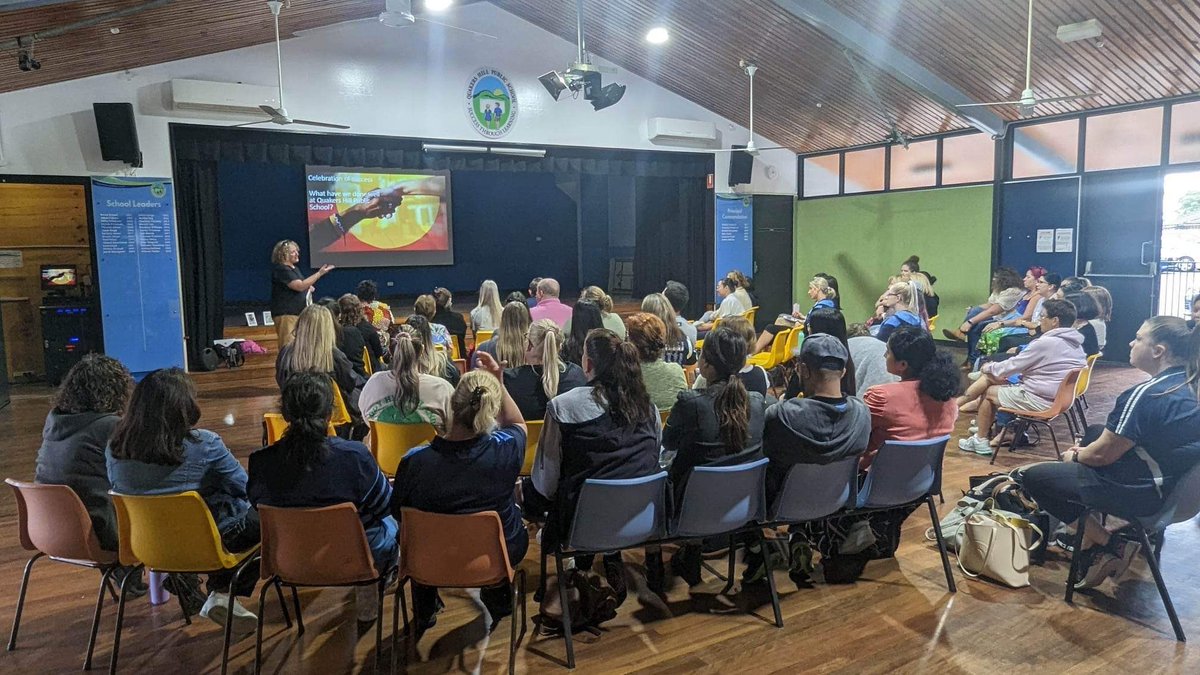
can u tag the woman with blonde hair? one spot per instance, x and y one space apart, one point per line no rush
901 306
507 346
545 374
290 289
742 293
470 468
314 349
405 394
680 349
602 300
824 295
433 361
486 315
1105 302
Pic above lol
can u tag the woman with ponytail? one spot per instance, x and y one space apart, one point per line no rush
1128 466
902 305
470 468
404 394
433 361
545 374
307 469
607 430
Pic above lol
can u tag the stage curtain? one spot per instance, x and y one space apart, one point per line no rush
200 262
674 238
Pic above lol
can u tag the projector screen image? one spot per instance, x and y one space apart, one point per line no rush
378 217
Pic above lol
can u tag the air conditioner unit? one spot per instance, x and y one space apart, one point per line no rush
689 131
224 97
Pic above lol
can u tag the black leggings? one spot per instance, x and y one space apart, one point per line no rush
239 536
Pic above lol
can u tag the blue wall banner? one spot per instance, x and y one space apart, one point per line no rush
138 271
734 233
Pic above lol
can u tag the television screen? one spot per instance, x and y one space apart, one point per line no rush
56 277
378 217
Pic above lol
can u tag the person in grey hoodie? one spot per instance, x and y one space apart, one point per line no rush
823 426
1043 366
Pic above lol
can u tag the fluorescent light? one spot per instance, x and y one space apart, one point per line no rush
1084 30
438 5
657 35
435 147
520 152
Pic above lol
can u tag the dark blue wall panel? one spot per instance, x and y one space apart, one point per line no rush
1028 206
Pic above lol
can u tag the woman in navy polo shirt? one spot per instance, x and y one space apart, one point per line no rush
902 307
1128 467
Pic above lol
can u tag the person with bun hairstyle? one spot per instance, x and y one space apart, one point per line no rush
902 306
607 430
308 469
426 307
730 306
744 284
470 468
545 374
607 318
680 347
1131 464
921 405
824 296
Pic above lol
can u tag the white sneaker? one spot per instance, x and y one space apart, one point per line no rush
974 375
244 621
366 603
975 444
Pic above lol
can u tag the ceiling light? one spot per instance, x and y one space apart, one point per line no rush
1084 30
438 5
657 35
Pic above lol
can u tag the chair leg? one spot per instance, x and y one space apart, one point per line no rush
397 603
1054 438
540 594
732 562
1162 585
512 628
12 638
299 616
262 612
941 542
1076 557
87 660
229 613
287 616
762 544
380 592
116 648
564 595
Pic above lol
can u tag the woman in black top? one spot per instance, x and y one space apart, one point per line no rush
454 322
585 316
1086 309
544 375
351 340
289 288
354 319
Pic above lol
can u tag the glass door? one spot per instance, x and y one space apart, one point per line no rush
1179 275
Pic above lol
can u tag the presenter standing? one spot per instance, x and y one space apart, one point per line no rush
291 291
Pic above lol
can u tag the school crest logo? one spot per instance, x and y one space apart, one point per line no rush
491 103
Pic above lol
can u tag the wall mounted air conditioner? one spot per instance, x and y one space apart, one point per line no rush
224 97
660 129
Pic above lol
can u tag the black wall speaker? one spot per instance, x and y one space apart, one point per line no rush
118 133
741 165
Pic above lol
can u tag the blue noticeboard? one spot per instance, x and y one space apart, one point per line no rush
733 230
138 271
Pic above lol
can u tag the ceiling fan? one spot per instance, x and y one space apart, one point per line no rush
280 115
399 14
751 149
1029 100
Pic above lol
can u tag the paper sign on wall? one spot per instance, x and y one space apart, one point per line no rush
1064 240
1045 241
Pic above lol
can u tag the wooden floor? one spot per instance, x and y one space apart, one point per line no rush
898 618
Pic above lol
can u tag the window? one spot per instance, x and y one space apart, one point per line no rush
1046 149
1123 140
821 175
970 158
864 170
1185 132
915 166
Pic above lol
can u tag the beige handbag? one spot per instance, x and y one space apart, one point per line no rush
996 545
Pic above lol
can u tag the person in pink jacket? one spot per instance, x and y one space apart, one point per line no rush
1043 365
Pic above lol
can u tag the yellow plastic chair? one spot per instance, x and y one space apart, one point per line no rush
533 429
175 533
1081 386
390 442
367 365
341 413
777 354
933 323
793 343
454 351
664 414
750 314
700 343
482 336
274 425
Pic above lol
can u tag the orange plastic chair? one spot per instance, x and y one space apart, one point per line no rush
459 551
175 533
274 425
52 521
533 433
317 547
390 442
1024 419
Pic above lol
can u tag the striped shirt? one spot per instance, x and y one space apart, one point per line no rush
1162 418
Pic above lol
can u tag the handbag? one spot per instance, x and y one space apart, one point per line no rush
996 545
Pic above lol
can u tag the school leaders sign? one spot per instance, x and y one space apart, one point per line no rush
491 103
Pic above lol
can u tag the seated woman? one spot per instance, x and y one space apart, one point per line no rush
744 286
426 307
348 304
1042 367
585 317
486 315
507 345
608 319
680 348
404 394
347 313
1074 285
921 405
375 311
313 349
754 378
1086 310
308 469
730 306
1105 303
1006 291
544 375
1014 331
156 450
433 361
901 306
869 359
929 296
664 381
609 429
470 468
445 315
87 408
719 425
824 296
1130 466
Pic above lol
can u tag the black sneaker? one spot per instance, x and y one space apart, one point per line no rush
685 564
186 587
614 573
137 585
655 573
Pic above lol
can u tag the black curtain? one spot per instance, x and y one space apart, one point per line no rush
200 256
674 238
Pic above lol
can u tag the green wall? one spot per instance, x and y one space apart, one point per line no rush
862 240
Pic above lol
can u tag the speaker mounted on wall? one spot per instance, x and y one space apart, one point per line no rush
741 166
118 133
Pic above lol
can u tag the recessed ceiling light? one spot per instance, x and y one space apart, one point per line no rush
657 35
438 5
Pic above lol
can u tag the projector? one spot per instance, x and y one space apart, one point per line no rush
586 78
